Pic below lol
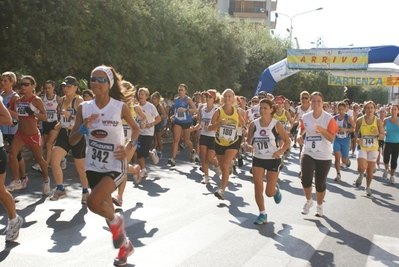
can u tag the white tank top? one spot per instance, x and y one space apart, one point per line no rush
265 140
206 118
316 145
51 108
301 112
105 134
1 134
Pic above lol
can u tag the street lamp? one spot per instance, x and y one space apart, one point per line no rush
291 18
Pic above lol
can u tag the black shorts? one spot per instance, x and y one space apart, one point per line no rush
184 126
78 150
95 177
208 141
48 126
313 167
158 127
145 142
272 165
220 150
3 160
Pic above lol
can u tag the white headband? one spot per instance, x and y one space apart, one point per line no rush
108 72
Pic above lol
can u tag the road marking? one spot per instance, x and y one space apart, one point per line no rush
384 251
293 245
189 240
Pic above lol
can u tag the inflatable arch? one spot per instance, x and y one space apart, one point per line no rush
279 71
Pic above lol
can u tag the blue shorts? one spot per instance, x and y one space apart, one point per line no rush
342 145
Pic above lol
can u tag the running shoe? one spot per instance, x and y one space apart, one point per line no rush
319 211
262 218
307 206
349 163
338 178
172 162
85 196
24 182
160 154
359 179
36 167
143 173
118 231
392 179
154 156
192 155
385 175
197 158
205 180
117 200
14 185
294 146
368 191
219 193
124 252
136 173
46 188
277 197
218 171
12 230
63 163
58 194
240 162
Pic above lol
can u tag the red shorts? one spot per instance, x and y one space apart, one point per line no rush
31 140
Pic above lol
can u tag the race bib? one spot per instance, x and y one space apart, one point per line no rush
369 141
313 142
228 132
100 152
261 145
127 132
181 116
51 115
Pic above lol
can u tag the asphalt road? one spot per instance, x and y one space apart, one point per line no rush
174 220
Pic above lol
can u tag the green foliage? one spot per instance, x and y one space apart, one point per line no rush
154 43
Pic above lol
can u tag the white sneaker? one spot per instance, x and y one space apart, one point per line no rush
36 167
192 155
205 180
307 206
154 156
385 175
12 230
218 171
14 185
46 188
368 191
63 163
319 211
143 173
392 179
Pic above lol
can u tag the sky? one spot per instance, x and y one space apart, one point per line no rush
341 23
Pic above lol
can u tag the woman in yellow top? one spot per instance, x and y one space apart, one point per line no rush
69 106
129 91
369 129
226 121
284 117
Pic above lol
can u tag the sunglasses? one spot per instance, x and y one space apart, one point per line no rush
208 96
25 84
180 89
305 98
99 79
255 101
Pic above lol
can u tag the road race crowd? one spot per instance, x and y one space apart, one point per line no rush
113 127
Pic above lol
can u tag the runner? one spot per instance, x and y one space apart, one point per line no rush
10 99
368 130
226 121
263 134
207 137
30 108
100 120
67 114
182 121
341 144
320 128
51 102
391 143
14 220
